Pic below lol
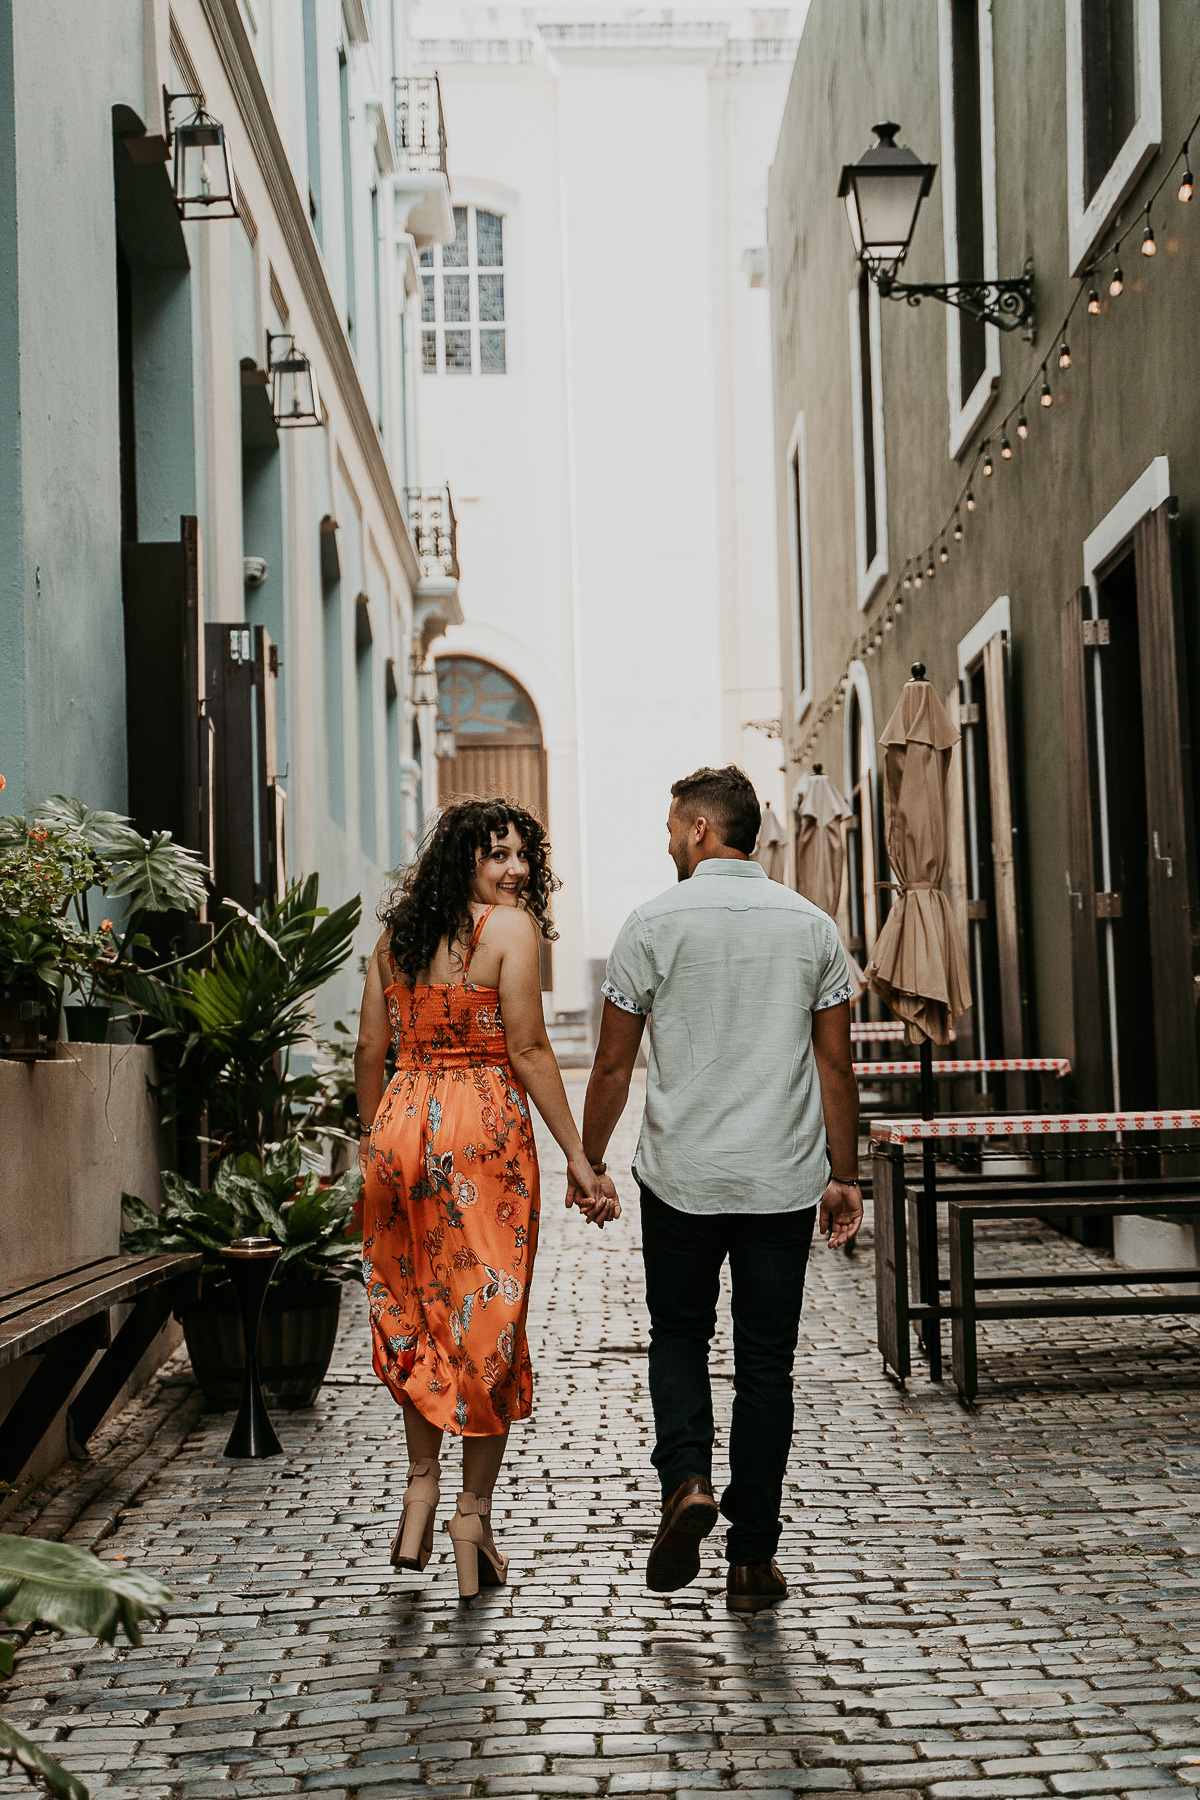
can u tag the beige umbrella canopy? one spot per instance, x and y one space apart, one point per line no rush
821 851
771 848
919 965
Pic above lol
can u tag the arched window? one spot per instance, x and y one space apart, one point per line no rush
481 704
463 320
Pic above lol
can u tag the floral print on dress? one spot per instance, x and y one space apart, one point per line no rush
447 1254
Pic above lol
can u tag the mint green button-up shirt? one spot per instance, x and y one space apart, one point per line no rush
730 966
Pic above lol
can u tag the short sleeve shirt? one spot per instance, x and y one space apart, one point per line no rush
729 967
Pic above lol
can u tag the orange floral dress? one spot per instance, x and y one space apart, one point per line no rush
450 1211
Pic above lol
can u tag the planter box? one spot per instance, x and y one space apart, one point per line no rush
295 1343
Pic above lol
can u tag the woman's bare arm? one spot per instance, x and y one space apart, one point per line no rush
534 1062
370 1054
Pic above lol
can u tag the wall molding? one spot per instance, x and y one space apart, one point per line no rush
258 121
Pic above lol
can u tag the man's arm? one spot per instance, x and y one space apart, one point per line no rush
841 1205
608 1088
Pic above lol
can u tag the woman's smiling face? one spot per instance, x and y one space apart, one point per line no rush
501 872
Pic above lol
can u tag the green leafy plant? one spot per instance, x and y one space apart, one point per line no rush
68 1588
41 872
226 1033
249 1198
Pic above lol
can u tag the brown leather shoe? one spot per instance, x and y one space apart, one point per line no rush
688 1516
751 1586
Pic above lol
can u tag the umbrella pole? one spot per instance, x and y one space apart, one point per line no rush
928 1273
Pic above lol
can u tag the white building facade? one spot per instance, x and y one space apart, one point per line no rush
595 388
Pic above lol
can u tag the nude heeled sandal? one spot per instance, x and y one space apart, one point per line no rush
412 1545
476 1557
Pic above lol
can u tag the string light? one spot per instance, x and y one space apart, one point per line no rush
913 576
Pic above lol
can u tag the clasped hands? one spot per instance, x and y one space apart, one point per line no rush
593 1194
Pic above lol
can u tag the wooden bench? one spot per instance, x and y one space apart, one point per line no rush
908 1284
64 1317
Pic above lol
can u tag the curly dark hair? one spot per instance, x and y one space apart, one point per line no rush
433 901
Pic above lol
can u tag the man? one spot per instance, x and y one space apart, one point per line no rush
751 1121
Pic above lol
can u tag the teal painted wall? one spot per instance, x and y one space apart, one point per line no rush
13 746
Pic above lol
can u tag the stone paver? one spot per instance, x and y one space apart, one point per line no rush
1002 1603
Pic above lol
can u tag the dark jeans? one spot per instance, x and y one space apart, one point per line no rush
768 1254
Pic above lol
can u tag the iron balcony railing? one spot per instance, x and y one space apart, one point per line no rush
420 127
435 531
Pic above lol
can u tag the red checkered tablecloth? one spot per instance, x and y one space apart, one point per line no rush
890 1031
988 1065
1005 1125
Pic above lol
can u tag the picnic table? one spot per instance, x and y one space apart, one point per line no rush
967 1065
907 1295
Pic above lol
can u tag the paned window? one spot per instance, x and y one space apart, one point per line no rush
1114 111
1109 85
968 205
463 318
870 478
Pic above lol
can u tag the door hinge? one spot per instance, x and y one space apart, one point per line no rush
1108 906
968 713
977 909
1095 632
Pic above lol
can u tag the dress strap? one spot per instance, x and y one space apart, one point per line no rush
475 939
385 948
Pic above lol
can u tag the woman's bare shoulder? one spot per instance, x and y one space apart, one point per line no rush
509 926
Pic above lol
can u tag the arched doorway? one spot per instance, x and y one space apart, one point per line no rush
497 740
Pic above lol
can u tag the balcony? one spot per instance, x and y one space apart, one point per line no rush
421 184
435 534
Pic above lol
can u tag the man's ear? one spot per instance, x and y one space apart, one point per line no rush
700 827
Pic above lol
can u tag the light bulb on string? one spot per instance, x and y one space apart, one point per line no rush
1093 304
970 501
1005 449
931 570
1045 397
957 529
1149 247
943 554
1117 284
1064 355
888 623
899 605
907 582
988 464
918 578
1186 184
1022 426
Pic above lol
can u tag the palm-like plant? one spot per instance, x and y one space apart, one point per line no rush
227 1032
68 1588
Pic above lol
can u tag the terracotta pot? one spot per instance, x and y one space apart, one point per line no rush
295 1343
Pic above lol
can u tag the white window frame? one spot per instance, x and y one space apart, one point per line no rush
859 682
472 270
800 564
966 410
870 575
1086 224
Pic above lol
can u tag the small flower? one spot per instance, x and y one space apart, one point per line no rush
106 924
3 784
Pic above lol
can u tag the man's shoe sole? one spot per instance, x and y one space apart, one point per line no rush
675 1559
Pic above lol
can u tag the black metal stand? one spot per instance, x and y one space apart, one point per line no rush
251 1263
927 1234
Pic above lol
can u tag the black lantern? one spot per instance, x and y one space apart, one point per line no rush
294 397
883 192
203 178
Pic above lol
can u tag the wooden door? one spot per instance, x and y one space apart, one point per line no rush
160 585
502 771
1005 871
956 849
1090 1065
1169 804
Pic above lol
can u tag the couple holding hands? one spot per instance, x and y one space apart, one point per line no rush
751 1125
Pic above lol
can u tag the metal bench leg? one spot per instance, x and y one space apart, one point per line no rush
962 1301
106 1380
41 1399
891 1264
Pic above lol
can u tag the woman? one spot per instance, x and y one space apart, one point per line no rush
450 1202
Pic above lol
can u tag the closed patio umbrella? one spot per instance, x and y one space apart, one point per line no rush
919 965
821 851
771 849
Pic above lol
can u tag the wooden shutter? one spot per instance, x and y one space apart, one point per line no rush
160 585
956 852
1169 816
1005 872
1091 1077
869 842
247 826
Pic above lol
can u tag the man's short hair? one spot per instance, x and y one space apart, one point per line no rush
726 798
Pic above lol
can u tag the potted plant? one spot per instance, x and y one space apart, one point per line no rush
41 871
308 1219
67 1588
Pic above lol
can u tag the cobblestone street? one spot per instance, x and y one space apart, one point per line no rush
1000 1603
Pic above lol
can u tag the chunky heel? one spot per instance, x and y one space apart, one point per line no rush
412 1545
476 1557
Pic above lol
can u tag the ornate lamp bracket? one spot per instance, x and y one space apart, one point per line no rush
1009 305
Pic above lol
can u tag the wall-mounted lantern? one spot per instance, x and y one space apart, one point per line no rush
444 740
294 397
883 192
203 179
422 683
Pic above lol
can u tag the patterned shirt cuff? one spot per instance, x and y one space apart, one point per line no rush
843 993
623 1001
